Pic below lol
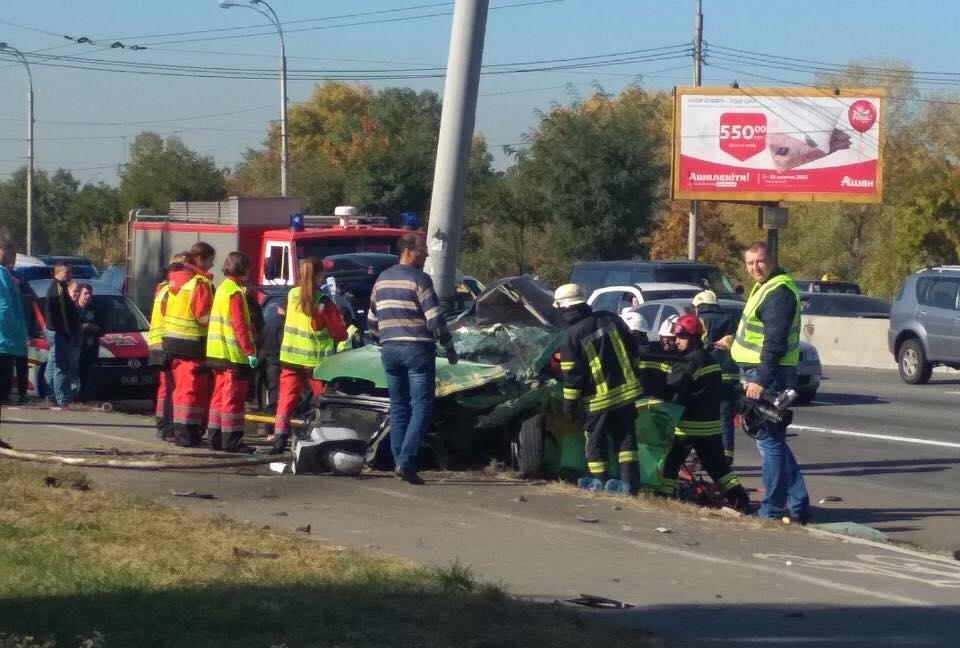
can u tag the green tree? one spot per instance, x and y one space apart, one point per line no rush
96 209
163 170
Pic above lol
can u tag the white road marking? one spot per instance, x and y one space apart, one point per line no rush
100 435
953 393
777 572
881 437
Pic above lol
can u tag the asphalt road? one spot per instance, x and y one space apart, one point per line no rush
708 580
903 477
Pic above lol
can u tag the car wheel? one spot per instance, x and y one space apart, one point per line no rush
529 447
912 363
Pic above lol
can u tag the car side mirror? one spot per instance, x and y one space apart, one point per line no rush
738 290
271 268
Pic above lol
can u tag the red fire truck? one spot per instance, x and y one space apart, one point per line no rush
273 232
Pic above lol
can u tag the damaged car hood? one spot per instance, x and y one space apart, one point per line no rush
365 364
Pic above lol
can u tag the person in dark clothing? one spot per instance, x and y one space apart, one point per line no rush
767 348
597 358
63 325
90 333
696 384
13 325
274 317
28 298
720 329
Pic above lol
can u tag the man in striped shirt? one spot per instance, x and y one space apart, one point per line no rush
406 320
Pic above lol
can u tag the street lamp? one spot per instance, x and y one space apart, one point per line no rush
23 59
271 15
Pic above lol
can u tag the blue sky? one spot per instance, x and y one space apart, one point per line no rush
920 32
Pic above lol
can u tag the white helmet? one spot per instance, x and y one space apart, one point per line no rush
568 295
666 327
632 319
705 297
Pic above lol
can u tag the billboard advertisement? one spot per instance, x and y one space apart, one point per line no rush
778 144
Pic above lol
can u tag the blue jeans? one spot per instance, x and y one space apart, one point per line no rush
411 376
59 371
783 483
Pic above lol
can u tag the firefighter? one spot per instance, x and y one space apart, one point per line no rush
719 329
232 355
311 332
696 384
597 356
186 315
158 357
655 361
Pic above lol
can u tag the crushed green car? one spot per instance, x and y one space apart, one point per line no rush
501 402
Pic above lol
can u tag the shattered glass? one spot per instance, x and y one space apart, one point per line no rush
516 348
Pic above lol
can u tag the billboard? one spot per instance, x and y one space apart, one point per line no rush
777 144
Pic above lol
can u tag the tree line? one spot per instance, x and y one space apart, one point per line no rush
589 181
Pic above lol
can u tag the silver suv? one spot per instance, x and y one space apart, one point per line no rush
925 323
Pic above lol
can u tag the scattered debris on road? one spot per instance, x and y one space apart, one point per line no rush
304 529
663 530
521 498
594 601
588 520
830 498
194 494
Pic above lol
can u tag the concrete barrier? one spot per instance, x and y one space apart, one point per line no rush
848 341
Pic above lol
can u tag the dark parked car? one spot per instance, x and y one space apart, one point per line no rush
844 305
591 275
83 267
827 286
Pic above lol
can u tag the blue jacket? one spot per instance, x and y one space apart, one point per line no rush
13 324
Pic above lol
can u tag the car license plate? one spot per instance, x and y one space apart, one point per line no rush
134 381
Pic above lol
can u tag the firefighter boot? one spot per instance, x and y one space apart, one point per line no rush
738 500
630 476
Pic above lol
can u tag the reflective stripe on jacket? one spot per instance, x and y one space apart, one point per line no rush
155 334
301 345
222 341
597 356
697 384
748 343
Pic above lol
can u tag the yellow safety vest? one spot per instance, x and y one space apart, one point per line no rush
222 341
155 334
179 322
748 342
301 345
353 335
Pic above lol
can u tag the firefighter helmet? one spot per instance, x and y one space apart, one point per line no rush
689 326
568 295
705 297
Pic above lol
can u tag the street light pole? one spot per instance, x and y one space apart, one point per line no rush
26 65
694 223
271 15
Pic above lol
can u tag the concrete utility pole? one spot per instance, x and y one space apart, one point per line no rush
453 147
271 15
23 59
697 65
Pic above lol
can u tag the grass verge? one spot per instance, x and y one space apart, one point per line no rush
84 566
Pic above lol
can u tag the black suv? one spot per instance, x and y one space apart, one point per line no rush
590 275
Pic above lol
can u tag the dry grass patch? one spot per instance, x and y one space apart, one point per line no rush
77 562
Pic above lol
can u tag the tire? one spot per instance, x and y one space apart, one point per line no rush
529 447
912 363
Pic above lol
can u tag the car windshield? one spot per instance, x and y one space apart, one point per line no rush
84 272
672 293
323 247
695 275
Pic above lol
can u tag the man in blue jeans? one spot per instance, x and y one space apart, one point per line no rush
406 319
63 326
767 348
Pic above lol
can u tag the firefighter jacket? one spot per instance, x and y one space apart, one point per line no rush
718 325
186 313
696 383
310 337
597 356
230 337
654 366
769 331
155 334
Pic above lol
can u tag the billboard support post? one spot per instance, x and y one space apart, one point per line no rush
773 220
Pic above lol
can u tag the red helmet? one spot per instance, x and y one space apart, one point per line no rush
689 326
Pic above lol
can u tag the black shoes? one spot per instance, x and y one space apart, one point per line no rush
409 476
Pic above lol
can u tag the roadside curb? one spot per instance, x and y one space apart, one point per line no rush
882 545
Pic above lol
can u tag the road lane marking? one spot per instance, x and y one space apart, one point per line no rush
953 393
741 565
881 437
101 435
